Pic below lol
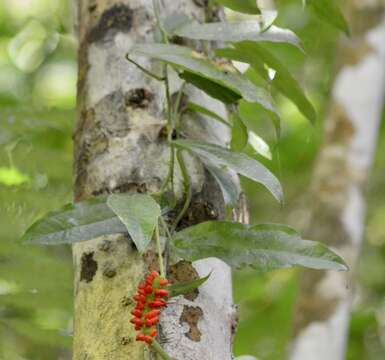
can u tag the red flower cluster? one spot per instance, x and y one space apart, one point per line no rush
149 300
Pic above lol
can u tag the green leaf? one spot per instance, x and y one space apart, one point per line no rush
238 162
73 223
211 88
264 247
243 6
256 55
186 287
139 213
329 11
207 72
260 145
237 31
225 179
239 135
200 109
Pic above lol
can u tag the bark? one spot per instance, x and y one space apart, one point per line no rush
339 184
120 146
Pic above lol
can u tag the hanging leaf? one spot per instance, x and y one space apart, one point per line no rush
139 213
226 181
237 31
238 162
211 88
207 72
256 55
200 109
244 6
186 287
264 247
260 145
239 135
329 11
73 223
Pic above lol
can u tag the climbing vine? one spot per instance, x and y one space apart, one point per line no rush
208 66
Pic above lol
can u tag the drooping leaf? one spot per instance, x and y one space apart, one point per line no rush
73 223
329 11
225 179
260 145
256 55
186 287
243 6
200 109
211 88
241 163
237 31
195 63
139 213
264 247
239 135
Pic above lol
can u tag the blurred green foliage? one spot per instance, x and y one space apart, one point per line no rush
37 100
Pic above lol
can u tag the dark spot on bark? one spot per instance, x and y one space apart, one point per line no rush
118 18
201 3
109 270
122 188
126 301
191 316
105 246
234 319
183 271
88 267
139 98
92 8
125 340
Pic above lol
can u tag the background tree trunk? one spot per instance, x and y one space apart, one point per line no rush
120 146
339 183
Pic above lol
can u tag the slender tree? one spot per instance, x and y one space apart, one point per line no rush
120 146
340 181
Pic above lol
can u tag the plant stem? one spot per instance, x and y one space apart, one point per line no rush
147 72
158 349
186 181
159 249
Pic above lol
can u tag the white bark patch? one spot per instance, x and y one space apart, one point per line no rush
215 301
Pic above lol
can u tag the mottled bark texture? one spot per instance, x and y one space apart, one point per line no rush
340 179
120 146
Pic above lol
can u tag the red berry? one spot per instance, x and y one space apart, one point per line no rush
153 333
136 321
136 312
139 298
152 322
140 337
152 314
161 292
140 306
148 289
163 282
148 340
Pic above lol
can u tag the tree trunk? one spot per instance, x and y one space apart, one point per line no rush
339 184
119 147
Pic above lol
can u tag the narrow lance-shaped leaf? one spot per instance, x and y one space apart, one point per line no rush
329 11
73 223
200 109
186 287
239 135
260 145
196 64
238 162
256 55
237 31
139 213
226 181
264 247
